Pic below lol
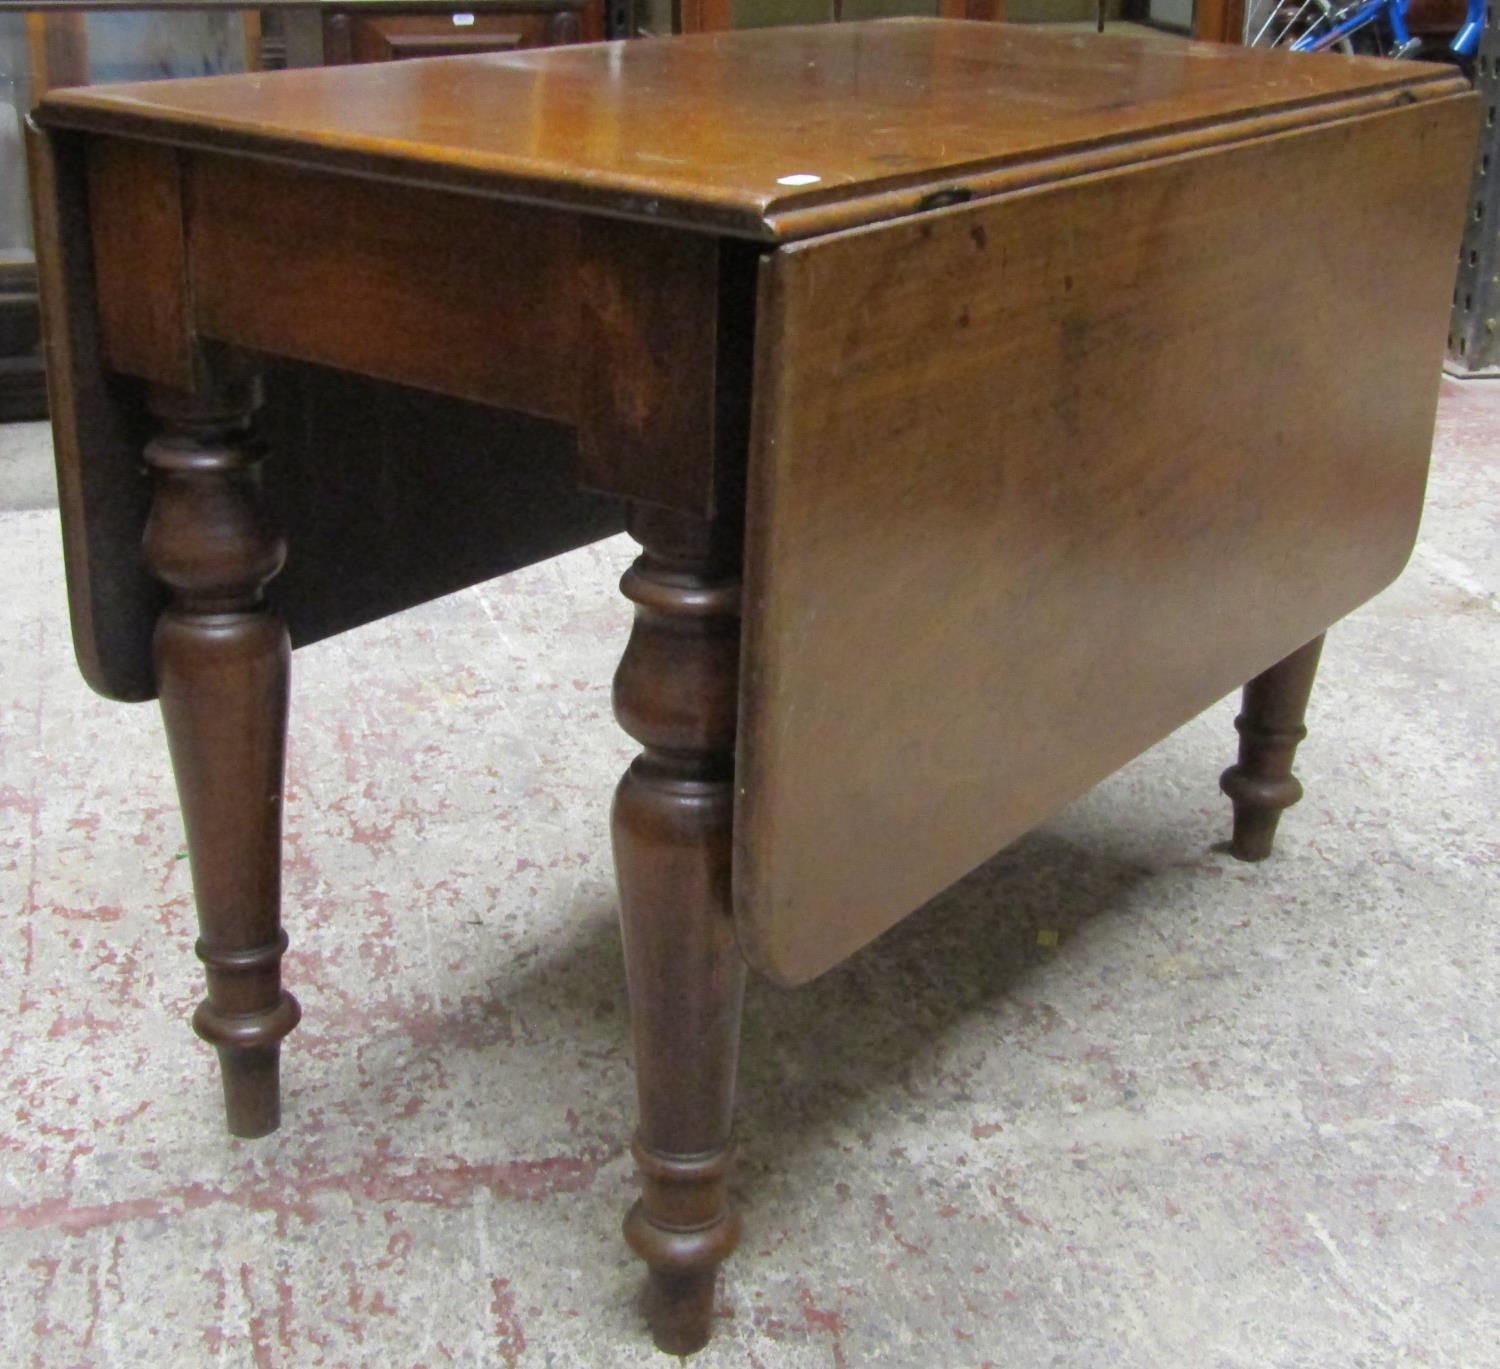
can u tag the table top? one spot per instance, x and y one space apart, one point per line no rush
768 134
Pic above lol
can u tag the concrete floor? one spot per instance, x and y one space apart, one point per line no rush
1236 1116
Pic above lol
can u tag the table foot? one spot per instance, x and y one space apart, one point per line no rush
252 1090
222 663
248 1043
1261 785
675 693
680 1309
683 1264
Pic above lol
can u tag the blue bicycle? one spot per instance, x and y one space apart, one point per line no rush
1374 27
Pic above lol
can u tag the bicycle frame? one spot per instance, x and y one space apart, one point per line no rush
1354 17
1466 40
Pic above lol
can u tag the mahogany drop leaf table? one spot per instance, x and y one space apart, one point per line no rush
986 402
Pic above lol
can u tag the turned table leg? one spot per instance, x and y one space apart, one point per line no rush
222 660
1270 727
675 693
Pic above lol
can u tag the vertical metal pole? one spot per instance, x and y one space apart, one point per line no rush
1474 331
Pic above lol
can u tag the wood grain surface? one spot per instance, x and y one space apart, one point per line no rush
441 291
1035 480
98 435
708 129
140 261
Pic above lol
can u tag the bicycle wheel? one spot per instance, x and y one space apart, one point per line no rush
1280 23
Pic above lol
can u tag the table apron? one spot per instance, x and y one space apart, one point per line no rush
608 326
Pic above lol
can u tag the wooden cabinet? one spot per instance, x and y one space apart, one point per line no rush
352 35
704 16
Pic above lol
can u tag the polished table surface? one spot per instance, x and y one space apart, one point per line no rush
987 403
722 130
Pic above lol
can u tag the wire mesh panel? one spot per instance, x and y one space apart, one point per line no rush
1474 332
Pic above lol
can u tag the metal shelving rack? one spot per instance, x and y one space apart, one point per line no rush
1474 330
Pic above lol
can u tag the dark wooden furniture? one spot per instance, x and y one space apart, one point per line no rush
390 30
714 16
23 379
352 31
964 386
1219 21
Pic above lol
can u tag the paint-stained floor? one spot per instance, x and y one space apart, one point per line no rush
1115 1100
